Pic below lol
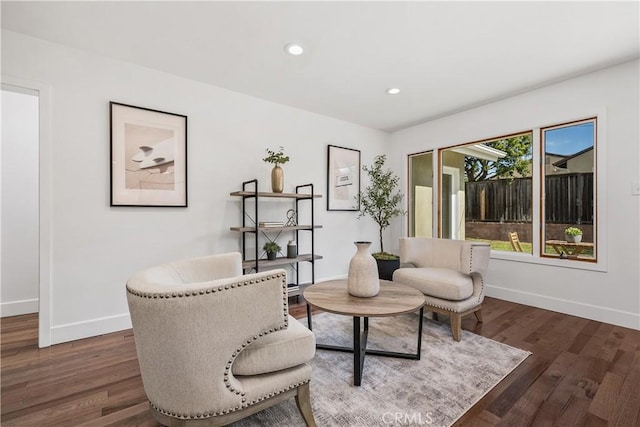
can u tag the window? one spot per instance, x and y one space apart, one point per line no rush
486 192
421 195
569 190
490 191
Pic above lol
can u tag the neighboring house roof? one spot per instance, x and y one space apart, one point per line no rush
562 163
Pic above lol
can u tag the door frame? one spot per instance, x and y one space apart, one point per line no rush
44 201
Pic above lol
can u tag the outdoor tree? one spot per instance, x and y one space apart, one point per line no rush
517 162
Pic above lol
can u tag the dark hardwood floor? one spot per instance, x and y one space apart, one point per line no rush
581 372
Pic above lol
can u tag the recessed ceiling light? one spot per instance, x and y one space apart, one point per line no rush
393 91
293 49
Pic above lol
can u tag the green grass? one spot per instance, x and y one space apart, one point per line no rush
501 245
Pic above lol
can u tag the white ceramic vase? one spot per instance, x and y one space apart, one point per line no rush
573 239
363 278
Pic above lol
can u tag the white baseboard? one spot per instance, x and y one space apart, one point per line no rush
89 328
105 325
626 319
16 308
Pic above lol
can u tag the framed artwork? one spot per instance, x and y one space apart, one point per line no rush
343 179
148 157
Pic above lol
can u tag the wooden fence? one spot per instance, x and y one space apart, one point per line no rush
569 199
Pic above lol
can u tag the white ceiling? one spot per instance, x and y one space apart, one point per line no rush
444 56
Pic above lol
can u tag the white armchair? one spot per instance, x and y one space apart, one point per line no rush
450 273
215 346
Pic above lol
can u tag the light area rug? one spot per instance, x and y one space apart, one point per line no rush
436 390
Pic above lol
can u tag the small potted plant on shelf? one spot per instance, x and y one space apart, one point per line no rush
277 174
573 235
272 249
381 202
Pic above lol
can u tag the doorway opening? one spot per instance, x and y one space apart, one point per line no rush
25 212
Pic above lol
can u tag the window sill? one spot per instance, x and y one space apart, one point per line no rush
553 262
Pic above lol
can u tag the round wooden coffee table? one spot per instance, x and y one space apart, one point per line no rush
393 299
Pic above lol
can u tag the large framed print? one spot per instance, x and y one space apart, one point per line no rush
148 157
343 179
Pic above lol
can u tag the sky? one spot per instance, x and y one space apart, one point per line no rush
570 139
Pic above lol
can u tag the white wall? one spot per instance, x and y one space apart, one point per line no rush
96 247
613 295
19 283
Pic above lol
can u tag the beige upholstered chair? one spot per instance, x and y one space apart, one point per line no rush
449 273
215 346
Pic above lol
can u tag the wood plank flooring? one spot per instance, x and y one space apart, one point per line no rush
581 373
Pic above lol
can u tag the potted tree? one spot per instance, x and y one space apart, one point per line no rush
277 174
381 201
573 235
272 249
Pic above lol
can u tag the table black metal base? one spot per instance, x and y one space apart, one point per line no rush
359 348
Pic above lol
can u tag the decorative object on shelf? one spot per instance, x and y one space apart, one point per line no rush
253 227
363 280
343 179
573 235
148 157
292 220
381 202
272 249
277 174
292 249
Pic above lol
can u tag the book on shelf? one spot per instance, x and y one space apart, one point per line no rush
271 224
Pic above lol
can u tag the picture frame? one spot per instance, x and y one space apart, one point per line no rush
343 178
148 157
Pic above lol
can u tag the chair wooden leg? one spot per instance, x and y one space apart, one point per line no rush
456 326
303 400
478 314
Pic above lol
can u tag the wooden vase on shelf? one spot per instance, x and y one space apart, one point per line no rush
277 179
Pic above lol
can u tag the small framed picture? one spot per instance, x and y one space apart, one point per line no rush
148 157
343 179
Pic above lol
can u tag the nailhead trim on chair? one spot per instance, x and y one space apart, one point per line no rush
481 287
227 411
471 272
235 353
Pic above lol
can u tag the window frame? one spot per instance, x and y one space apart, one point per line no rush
543 191
410 199
600 263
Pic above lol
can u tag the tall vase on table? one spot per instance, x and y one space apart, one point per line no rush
363 280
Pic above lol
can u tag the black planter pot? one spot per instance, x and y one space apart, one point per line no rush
386 267
271 255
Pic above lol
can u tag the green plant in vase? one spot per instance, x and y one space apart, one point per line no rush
277 158
272 249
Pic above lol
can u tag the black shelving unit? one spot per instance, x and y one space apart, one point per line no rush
304 195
